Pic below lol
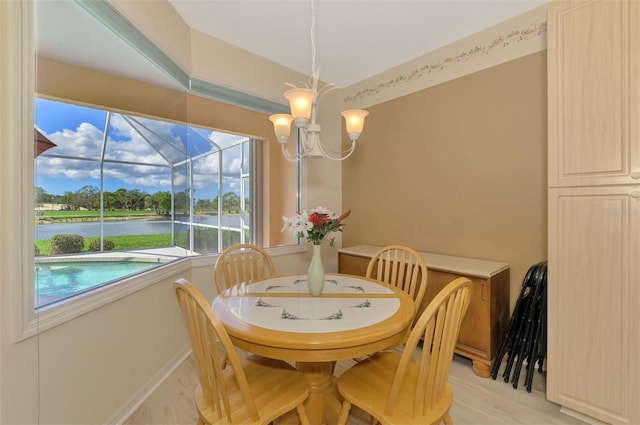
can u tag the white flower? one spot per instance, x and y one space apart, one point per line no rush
288 223
315 226
302 224
322 210
325 211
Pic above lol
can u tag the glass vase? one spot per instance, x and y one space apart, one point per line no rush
315 275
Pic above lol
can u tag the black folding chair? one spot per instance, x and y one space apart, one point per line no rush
526 335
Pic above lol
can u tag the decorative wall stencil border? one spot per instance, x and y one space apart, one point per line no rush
514 36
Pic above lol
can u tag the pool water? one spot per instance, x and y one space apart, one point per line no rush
62 279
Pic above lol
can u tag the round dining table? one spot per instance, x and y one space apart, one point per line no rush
278 318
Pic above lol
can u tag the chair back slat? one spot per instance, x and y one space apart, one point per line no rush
242 263
438 328
402 267
213 349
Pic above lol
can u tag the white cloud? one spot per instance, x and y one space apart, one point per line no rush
85 142
127 145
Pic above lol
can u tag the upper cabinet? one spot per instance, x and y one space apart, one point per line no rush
594 92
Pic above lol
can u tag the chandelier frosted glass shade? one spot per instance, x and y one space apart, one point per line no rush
300 102
282 126
354 121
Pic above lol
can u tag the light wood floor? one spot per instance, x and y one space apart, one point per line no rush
477 400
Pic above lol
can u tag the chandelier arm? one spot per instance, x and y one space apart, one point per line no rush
302 85
306 150
289 157
319 93
326 89
328 153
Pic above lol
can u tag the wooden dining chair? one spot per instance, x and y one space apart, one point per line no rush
402 267
242 263
397 388
254 390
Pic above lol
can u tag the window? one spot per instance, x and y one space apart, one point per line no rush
164 102
118 194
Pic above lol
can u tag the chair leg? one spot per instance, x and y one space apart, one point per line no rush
447 420
302 413
344 413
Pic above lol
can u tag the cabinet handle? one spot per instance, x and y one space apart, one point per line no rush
635 175
635 194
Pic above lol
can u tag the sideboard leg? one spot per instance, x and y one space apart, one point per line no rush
481 368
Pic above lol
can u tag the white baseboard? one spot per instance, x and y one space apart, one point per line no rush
584 418
145 391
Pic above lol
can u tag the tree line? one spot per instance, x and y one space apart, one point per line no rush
88 197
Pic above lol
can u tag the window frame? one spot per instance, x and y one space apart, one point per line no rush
18 125
247 172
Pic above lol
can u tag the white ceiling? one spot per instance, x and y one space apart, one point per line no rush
67 32
355 39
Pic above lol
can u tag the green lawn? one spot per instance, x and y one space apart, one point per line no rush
120 242
84 214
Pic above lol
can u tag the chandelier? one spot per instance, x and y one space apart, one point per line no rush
303 103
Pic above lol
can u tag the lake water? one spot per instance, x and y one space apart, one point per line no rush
124 227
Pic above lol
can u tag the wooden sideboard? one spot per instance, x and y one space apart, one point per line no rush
487 319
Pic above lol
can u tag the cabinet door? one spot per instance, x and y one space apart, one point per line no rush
593 57
594 301
474 335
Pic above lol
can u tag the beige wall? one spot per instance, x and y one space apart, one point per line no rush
458 168
90 367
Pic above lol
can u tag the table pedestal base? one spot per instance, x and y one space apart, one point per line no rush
323 395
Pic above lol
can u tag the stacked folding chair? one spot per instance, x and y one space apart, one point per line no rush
526 336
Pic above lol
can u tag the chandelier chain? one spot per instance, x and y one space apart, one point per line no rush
313 37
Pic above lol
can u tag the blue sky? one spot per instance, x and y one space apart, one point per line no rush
145 154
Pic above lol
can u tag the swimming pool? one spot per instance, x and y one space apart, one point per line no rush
61 279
